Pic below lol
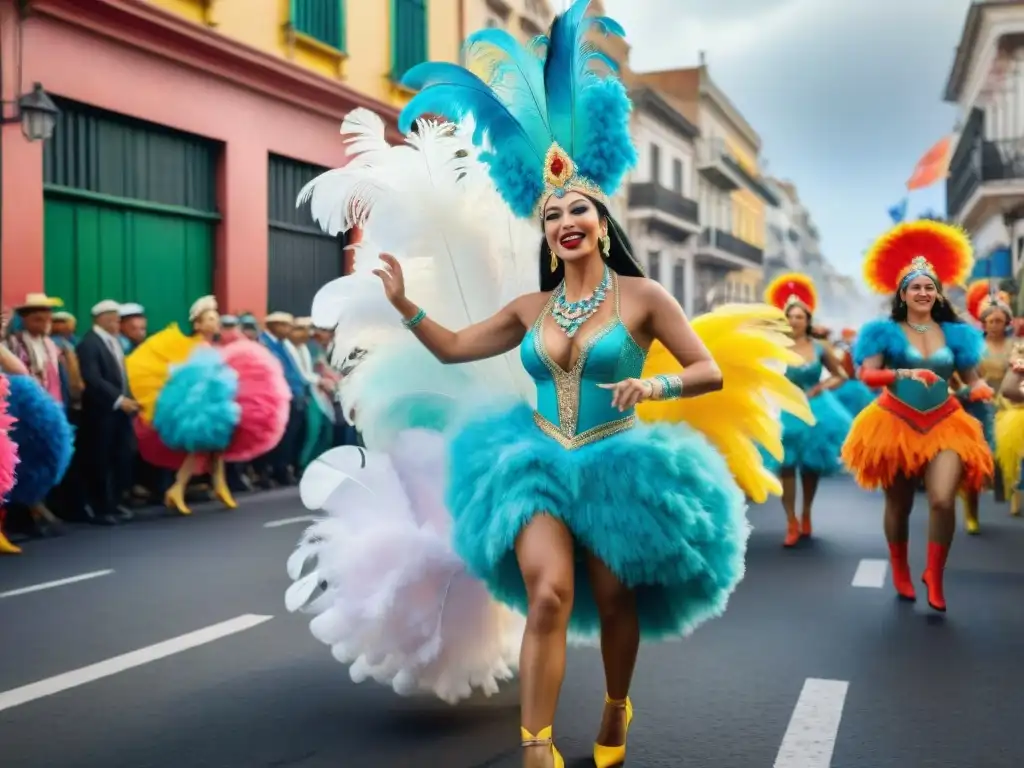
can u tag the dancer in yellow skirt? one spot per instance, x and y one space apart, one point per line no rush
993 312
916 429
1009 429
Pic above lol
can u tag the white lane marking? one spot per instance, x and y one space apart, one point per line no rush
811 736
93 672
290 521
58 583
871 574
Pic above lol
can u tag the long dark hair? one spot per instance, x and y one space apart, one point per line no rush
620 257
942 310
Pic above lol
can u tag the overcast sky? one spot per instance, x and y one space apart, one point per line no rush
846 94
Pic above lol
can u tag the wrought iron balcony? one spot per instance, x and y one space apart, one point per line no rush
723 170
977 161
721 246
717 166
664 208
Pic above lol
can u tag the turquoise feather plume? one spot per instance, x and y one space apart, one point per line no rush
558 89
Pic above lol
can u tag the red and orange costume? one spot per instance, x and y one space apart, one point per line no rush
915 418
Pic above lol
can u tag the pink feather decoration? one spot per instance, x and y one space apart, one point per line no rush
8 448
264 396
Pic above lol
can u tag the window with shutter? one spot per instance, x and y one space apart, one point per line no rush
322 20
408 36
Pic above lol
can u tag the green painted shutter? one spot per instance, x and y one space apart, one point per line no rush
130 214
408 36
302 258
323 20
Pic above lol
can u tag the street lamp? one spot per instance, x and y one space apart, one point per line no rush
37 114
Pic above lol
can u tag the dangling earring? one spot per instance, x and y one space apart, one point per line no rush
554 261
606 245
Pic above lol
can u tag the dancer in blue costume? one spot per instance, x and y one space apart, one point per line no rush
811 450
536 501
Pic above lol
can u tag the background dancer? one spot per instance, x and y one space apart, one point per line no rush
202 405
1009 427
811 450
916 428
996 318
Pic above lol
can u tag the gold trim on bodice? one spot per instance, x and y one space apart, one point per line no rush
567 382
586 437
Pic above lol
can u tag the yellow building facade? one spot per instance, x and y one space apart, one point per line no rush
366 44
748 210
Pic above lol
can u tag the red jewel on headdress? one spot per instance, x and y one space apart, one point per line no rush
557 166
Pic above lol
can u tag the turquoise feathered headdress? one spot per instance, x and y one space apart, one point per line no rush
555 113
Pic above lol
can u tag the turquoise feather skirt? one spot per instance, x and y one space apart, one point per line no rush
196 410
814 449
656 504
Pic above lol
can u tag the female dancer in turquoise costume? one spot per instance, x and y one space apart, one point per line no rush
539 508
812 450
917 430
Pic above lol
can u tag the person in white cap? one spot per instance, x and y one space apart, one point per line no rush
133 326
282 462
107 412
204 404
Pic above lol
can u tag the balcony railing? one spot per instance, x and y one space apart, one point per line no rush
658 198
978 160
723 170
716 238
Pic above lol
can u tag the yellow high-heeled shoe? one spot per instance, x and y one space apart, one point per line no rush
175 499
6 548
1015 504
542 739
223 494
606 757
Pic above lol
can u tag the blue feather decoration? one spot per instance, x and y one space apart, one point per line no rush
558 89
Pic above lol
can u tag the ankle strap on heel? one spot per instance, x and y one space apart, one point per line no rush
619 703
541 739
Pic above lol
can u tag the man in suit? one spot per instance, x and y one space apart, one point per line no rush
107 412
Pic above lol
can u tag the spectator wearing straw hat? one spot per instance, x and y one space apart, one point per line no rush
32 344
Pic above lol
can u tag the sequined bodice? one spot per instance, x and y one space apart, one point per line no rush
571 407
914 393
809 374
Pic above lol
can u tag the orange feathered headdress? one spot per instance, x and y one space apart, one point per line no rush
786 290
980 301
925 247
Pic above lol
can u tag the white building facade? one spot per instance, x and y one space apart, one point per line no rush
985 187
663 218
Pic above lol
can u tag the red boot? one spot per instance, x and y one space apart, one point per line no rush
901 578
932 576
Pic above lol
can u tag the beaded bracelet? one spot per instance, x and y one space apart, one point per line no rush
671 387
415 320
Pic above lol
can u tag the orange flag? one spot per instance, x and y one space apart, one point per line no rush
933 166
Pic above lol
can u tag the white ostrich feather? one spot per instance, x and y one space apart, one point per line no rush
430 203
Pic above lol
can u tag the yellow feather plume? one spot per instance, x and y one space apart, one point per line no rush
751 345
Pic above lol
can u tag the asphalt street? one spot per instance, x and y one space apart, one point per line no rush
174 650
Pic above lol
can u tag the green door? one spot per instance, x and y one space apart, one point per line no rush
130 214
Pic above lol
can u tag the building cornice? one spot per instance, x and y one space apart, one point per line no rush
731 112
649 100
964 52
143 26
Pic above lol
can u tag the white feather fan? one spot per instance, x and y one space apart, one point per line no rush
429 203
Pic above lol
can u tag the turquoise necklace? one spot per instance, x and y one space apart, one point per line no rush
571 315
